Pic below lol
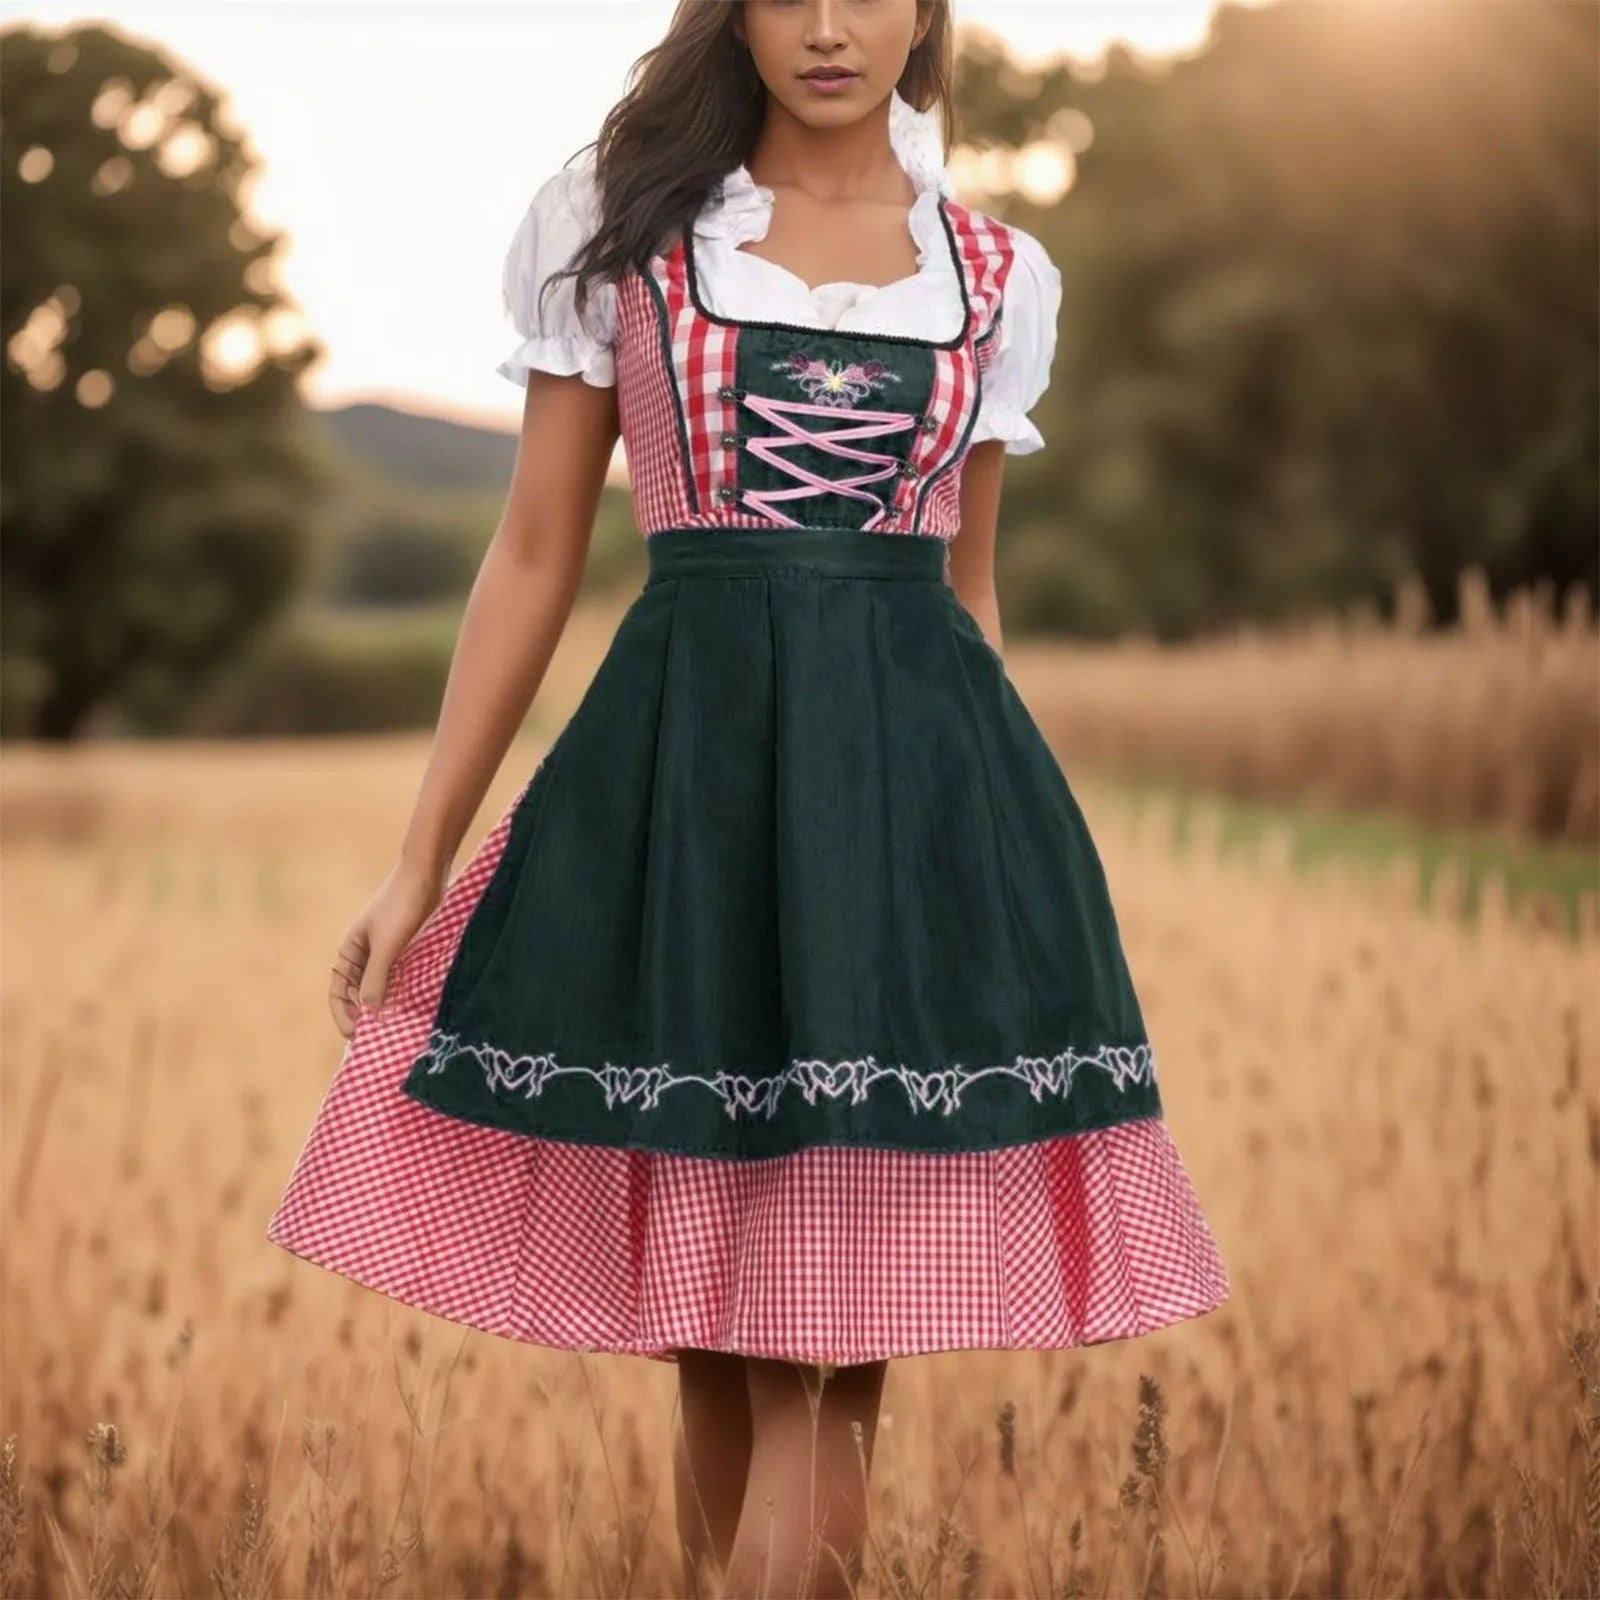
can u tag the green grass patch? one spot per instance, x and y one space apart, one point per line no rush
1560 876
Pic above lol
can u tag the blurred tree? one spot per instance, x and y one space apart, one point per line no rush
1329 313
156 469
396 558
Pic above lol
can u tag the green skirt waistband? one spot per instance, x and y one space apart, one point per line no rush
808 552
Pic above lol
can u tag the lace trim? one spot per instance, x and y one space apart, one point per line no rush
937 1091
918 139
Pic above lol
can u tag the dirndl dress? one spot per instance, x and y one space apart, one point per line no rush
783 1010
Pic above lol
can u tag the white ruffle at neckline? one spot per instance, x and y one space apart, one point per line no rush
743 213
927 305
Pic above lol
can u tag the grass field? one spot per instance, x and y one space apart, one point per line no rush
1454 869
1390 1112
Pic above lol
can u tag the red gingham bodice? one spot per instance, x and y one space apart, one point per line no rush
745 424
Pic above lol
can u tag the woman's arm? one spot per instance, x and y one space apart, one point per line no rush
972 549
514 616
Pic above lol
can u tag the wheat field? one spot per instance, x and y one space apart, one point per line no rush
1392 1118
1492 721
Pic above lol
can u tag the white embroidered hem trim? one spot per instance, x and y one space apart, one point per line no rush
939 1090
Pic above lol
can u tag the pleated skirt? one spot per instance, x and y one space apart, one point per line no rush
782 1011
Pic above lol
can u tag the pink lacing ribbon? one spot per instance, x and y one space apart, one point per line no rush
865 425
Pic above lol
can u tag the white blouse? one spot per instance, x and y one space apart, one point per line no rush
736 284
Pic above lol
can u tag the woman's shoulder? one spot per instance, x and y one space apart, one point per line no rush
558 220
1008 247
568 196
1033 282
1028 308
561 216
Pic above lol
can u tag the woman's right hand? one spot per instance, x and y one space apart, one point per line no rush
375 940
519 602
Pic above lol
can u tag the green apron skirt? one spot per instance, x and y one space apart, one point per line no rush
799 870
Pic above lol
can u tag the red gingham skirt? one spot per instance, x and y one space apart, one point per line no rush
829 1254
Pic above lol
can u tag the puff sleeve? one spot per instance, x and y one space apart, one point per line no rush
1019 371
552 338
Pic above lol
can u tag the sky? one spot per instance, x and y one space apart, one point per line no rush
399 145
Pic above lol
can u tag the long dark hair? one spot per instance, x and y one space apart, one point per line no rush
691 114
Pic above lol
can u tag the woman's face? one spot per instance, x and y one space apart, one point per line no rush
863 42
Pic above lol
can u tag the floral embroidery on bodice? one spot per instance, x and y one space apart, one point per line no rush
838 384
743 423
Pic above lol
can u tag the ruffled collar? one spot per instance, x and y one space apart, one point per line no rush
743 209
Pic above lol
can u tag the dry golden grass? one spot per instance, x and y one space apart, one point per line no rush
1494 722
1392 1119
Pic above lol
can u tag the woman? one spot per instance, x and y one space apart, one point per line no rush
781 1024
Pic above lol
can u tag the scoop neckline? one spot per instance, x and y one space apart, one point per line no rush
692 281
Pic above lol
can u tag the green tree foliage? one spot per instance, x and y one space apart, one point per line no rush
156 481
401 559
1329 314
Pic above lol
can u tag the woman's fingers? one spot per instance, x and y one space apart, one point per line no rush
344 980
350 960
375 942
375 980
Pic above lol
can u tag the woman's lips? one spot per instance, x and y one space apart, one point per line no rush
828 82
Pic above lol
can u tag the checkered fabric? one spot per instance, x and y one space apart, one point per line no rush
675 368
986 257
830 1254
